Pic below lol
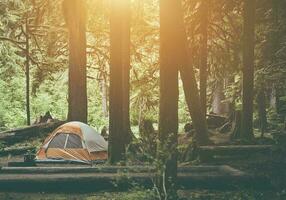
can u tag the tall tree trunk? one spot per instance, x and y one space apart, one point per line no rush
27 73
75 17
274 47
119 125
274 34
248 68
169 93
204 54
126 16
190 85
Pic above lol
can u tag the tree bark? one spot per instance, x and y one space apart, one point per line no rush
119 125
27 73
75 17
204 55
248 69
190 85
274 41
126 16
169 94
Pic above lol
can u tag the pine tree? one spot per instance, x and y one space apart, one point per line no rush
119 125
248 68
75 17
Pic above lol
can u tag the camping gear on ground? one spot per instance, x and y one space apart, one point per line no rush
73 142
29 157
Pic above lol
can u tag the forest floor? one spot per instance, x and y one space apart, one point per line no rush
149 195
273 167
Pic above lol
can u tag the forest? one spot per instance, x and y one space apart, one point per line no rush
143 99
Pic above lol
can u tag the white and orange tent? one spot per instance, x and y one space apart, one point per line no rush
73 141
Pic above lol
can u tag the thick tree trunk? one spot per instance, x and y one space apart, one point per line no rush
119 125
248 68
274 41
204 55
126 16
169 94
190 85
194 105
274 34
75 16
27 73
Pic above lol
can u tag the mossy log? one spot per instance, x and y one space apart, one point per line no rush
206 169
233 151
15 150
21 134
113 178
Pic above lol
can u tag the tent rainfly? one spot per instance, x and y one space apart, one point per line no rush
73 141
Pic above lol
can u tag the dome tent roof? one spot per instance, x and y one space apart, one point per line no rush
93 140
74 141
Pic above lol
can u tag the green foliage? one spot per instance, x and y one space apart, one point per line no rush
49 55
11 88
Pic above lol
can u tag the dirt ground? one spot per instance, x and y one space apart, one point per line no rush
148 195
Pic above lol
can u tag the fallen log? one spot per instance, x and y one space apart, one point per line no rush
21 134
77 170
234 151
16 150
111 178
206 169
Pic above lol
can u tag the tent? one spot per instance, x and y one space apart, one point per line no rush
73 142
